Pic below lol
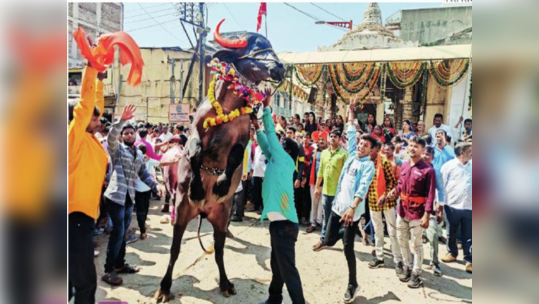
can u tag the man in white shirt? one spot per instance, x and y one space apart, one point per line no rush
438 124
457 202
466 132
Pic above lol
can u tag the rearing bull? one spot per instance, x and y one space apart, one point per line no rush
211 171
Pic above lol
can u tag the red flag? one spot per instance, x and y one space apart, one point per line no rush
262 11
103 54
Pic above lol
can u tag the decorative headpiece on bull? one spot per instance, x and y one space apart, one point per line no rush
211 170
252 55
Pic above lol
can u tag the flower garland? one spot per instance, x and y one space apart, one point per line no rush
383 81
351 87
224 72
448 73
346 95
405 74
310 74
353 75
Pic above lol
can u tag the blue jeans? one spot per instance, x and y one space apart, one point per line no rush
327 203
459 218
121 219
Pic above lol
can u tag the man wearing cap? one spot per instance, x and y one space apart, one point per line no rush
128 167
331 164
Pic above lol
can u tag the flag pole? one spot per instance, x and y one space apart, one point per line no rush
266 23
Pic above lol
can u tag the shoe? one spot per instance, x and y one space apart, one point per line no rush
373 253
229 235
236 219
405 276
415 282
399 269
437 271
424 239
112 278
311 229
131 239
442 240
376 263
165 208
350 294
449 258
143 236
469 268
319 247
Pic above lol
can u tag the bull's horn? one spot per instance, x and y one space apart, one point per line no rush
233 44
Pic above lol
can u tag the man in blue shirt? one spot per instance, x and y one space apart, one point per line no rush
278 196
354 182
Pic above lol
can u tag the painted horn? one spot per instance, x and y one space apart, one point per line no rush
233 44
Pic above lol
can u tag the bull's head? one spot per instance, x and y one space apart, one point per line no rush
252 55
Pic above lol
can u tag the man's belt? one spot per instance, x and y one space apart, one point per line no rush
410 201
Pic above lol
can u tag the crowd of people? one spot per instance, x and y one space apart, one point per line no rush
347 178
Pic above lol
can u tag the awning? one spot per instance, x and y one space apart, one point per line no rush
380 55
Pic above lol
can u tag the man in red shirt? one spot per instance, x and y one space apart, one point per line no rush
417 188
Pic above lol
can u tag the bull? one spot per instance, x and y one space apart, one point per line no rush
211 170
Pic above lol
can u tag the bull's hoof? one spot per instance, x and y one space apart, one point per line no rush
221 187
232 289
163 296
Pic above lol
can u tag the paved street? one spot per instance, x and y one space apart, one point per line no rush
247 260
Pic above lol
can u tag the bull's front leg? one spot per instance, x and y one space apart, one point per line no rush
196 188
235 158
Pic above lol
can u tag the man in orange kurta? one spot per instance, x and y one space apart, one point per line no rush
87 166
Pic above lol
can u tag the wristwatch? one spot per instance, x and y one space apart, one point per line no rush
353 208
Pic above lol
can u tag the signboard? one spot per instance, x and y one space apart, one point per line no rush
178 112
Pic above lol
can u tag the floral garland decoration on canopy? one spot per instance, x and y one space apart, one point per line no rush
224 72
360 95
448 73
354 71
308 75
405 74
354 87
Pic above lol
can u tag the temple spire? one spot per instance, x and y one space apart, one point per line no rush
373 14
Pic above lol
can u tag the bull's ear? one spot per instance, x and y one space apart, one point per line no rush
226 56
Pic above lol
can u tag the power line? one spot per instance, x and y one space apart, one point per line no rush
234 17
140 20
312 17
153 25
144 14
329 12
138 9
161 25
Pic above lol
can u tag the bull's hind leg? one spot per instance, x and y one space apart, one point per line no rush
218 217
184 213
196 189
235 158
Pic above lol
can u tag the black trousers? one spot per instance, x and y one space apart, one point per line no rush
142 203
284 235
257 193
238 204
82 274
298 202
335 232
307 202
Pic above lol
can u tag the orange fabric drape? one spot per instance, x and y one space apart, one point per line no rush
381 184
103 54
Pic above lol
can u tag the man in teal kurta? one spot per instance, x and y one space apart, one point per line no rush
278 195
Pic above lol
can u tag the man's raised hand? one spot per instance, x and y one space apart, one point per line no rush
267 101
128 113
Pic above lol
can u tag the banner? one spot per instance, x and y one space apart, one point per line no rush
178 112
261 11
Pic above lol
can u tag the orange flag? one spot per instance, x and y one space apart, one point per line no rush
102 55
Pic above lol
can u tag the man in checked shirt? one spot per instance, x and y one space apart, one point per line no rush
417 189
382 183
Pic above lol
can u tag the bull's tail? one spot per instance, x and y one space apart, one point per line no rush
211 249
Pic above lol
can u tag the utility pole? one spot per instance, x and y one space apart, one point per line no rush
195 16
172 79
181 80
202 33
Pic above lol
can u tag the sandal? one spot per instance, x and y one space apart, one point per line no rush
112 278
128 269
143 236
310 229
